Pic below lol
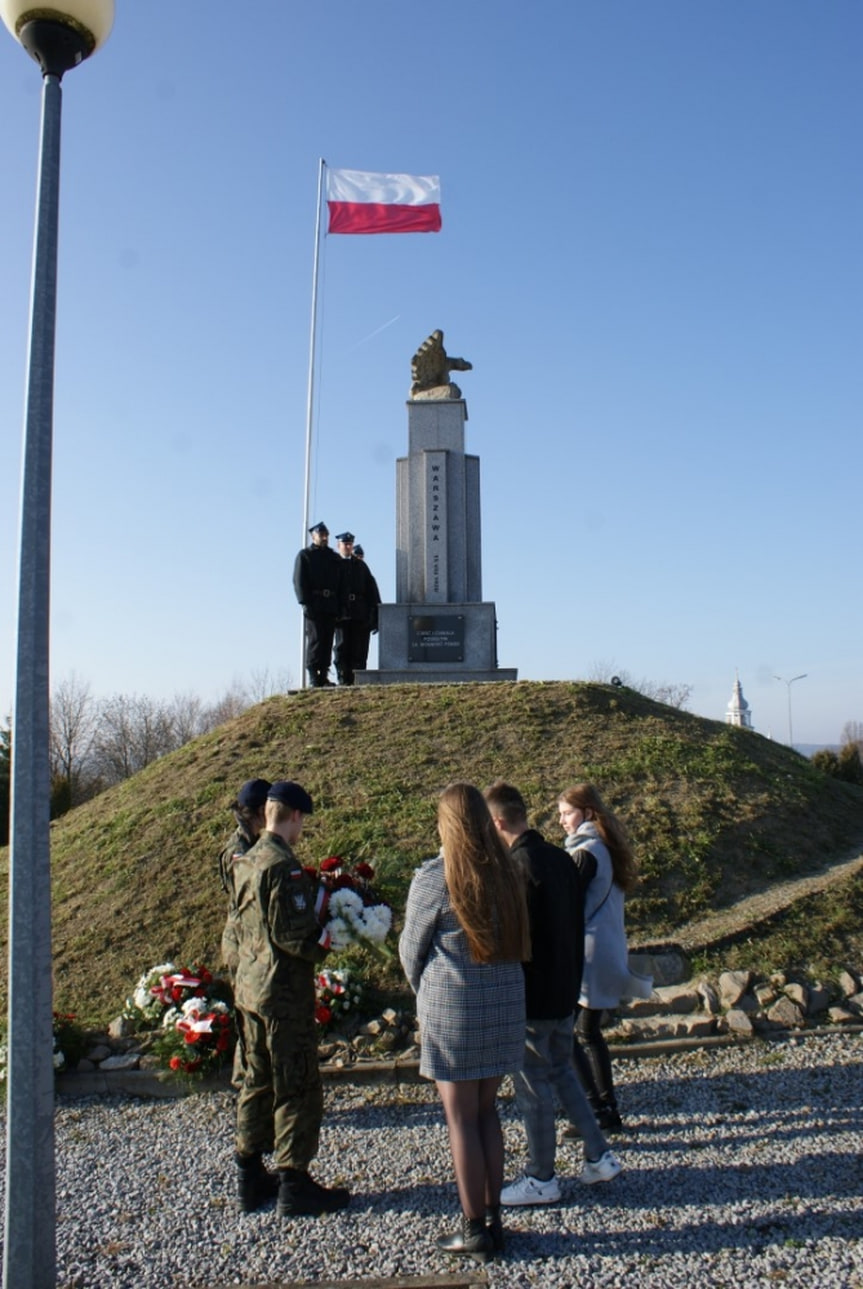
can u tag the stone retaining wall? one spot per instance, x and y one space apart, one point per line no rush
736 1005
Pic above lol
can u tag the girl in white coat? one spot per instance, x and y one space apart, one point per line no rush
590 826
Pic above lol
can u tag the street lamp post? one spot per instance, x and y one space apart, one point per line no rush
789 683
58 39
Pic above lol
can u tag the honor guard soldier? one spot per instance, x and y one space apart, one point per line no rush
363 654
318 587
360 600
248 810
281 943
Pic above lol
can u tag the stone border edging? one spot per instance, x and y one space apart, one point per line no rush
157 1085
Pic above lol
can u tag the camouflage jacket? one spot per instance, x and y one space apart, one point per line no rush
279 936
241 841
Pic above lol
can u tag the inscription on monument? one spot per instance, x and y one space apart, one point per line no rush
438 638
436 552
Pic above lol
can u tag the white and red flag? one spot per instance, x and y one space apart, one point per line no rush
360 201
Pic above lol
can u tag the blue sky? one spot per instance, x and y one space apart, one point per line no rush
651 253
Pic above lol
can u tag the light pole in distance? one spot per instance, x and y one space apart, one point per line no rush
789 683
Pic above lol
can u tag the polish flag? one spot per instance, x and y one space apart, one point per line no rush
361 202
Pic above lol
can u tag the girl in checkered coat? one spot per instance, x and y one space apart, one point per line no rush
466 934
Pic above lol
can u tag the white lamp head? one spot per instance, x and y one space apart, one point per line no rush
61 33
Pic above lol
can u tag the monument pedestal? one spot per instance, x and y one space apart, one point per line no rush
436 643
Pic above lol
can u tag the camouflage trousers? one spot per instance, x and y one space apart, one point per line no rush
281 1099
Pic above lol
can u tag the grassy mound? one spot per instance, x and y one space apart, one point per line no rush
715 812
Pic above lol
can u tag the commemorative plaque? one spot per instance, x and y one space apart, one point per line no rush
436 638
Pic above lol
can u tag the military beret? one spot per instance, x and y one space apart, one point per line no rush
320 528
344 537
291 795
253 794
358 550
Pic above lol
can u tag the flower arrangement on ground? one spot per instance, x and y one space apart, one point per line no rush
196 1037
351 912
190 1010
164 987
337 992
69 1042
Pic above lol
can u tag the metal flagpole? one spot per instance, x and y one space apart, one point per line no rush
310 400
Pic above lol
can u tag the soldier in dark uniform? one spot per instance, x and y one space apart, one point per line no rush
318 587
249 813
280 940
375 600
360 600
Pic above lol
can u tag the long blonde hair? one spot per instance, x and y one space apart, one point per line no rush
584 796
486 882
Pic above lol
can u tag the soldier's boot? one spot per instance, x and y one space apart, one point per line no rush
255 1186
314 678
323 681
301 1196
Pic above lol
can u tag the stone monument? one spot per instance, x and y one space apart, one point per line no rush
439 629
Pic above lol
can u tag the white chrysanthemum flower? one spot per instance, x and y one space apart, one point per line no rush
340 933
172 1015
59 1060
346 904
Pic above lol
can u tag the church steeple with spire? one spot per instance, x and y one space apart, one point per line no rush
737 711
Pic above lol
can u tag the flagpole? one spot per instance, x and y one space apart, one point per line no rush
310 400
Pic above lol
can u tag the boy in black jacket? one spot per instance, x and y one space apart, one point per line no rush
552 980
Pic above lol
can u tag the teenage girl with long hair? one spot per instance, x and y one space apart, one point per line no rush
465 937
590 826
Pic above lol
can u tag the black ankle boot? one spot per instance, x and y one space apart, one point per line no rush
471 1240
494 1226
608 1117
301 1196
255 1186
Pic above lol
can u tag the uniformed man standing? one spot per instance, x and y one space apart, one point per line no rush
248 811
375 600
280 1104
318 587
360 600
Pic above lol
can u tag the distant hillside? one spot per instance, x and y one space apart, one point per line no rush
716 813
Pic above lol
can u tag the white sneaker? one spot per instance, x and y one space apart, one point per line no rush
530 1190
604 1169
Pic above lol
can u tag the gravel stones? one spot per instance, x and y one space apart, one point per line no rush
744 1167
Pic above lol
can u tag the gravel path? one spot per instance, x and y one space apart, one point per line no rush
745 1169
747 913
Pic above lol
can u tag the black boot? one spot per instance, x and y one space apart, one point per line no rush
471 1240
255 1186
301 1196
494 1226
608 1117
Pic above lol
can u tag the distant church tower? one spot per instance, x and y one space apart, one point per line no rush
737 712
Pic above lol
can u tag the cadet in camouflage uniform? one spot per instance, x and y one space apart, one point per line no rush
280 940
249 813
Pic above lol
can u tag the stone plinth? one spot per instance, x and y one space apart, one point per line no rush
436 643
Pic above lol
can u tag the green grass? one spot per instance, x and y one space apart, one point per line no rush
716 813
813 940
